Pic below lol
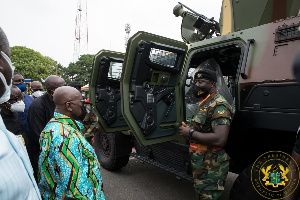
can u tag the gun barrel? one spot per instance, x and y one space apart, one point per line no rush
202 16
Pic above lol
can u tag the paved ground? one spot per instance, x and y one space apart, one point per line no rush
143 181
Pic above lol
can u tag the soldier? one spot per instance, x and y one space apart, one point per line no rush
76 85
208 132
90 122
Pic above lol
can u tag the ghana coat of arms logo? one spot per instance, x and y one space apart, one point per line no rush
274 175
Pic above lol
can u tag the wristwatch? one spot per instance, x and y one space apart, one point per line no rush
191 131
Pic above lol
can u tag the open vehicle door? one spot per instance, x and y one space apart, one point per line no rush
151 97
105 90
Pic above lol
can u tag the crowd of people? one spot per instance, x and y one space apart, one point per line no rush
43 151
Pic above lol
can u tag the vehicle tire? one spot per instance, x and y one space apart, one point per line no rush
106 146
242 188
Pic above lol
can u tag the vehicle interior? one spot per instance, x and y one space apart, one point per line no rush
225 60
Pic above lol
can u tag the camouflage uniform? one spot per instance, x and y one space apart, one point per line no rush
90 123
210 165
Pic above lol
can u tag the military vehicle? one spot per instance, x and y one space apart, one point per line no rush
142 96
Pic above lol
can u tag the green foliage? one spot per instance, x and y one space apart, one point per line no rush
81 70
32 64
62 72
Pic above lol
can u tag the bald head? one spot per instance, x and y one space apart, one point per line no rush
53 82
15 91
68 101
64 94
15 95
36 85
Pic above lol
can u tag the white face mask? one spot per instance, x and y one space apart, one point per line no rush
37 94
7 87
19 106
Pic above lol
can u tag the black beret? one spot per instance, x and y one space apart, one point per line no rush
207 74
75 84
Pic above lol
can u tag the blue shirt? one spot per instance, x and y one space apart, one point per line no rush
68 165
23 115
16 174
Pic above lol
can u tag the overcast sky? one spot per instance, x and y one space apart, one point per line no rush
48 26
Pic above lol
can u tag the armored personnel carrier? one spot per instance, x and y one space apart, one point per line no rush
142 96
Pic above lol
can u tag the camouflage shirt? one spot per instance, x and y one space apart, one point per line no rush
90 123
210 168
213 111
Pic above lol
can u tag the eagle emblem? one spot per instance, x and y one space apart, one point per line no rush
275 175
199 75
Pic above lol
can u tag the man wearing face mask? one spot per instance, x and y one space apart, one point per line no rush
16 175
36 89
40 112
90 122
208 132
76 172
18 81
9 114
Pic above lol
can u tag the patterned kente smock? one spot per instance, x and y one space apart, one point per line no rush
68 165
210 167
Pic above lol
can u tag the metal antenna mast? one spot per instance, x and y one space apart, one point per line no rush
81 30
127 30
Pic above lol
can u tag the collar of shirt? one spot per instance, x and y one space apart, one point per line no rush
67 120
208 98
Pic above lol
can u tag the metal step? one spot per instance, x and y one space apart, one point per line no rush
179 174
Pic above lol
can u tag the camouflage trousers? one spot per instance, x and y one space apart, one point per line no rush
210 170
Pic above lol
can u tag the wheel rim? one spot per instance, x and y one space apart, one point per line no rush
104 145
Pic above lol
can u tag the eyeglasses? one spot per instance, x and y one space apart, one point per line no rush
75 103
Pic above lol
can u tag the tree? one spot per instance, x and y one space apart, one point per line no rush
81 70
32 64
62 72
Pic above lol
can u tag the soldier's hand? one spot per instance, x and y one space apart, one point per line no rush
184 130
184 124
